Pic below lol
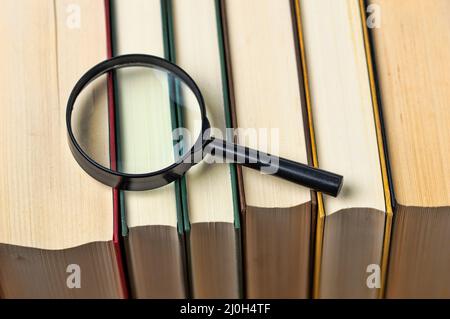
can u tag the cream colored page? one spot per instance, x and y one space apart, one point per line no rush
412 50
266 87
341 101
41 185
208 185
145 127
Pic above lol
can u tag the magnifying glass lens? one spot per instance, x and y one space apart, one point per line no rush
154 115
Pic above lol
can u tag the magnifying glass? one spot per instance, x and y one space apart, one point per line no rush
153 96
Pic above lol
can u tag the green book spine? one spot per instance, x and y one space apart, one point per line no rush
177 116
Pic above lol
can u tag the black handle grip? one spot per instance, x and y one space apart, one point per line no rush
314 178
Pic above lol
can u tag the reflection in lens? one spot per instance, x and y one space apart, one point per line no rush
157 119
90 123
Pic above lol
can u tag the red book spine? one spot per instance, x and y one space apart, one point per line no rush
113 158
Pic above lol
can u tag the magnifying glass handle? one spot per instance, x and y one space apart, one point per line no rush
314 178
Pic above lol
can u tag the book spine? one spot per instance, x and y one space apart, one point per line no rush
226 64
308 122
113 160
230 124
382 148
318 218
177 117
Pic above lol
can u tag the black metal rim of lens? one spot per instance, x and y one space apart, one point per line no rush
151 180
